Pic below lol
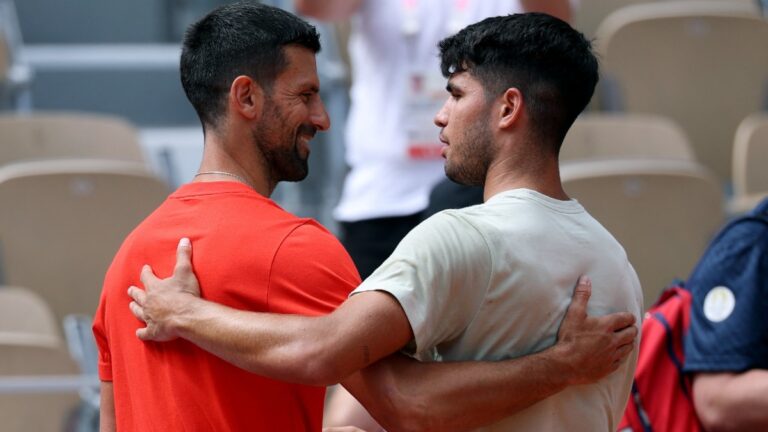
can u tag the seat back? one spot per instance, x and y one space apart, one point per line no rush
625 135
590 13
24 312
63 221
750 162
702 64
42 410
662 212
68 136
31 348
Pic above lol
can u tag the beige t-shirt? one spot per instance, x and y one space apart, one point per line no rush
493 281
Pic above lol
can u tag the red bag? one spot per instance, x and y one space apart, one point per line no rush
661 398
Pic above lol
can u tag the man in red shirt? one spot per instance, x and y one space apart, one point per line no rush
249 70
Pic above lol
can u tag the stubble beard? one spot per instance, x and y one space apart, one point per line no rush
472 156
280 147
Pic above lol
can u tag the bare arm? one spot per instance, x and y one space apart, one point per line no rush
107 408
557 8
327 10
308 350
404 394
732 401
368 327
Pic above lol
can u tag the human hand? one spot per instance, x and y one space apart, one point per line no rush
160 304
594 346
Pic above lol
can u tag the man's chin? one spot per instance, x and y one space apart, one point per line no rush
299 172
459 178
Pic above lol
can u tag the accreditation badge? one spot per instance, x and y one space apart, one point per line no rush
425 97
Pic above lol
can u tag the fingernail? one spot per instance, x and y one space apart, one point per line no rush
585 280
184 242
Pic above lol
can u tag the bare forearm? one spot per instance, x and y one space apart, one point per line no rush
107 408
308 350
732 402
403 394
284 347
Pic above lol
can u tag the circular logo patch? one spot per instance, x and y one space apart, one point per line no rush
719 304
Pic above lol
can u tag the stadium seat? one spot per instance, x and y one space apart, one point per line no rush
624 135
23 311
63 221
40 136
590 13
750 163
31 351
702 64
663 212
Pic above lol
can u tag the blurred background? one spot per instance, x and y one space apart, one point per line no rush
95 131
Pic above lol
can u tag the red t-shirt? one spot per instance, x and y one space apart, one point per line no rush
249 254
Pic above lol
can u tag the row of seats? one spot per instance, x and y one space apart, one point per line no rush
72 186
589 14
702 64
72 214
635 135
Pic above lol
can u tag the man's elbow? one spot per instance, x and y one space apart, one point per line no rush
714 414
716 422
395 411
311 363
409 424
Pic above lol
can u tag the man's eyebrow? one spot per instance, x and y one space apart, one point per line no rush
450 87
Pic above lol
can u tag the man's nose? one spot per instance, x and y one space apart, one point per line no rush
319 117
441 118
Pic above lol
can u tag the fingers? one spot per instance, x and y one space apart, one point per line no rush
148 276
581 294
623 351
183 258
143 334
137 294
626 336
620 320
137 311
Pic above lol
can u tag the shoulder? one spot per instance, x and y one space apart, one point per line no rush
307 237
311 273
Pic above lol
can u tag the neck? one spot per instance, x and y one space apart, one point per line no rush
511 172
223 154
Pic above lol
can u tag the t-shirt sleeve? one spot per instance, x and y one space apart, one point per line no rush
439 273
311 273
99 334
729 314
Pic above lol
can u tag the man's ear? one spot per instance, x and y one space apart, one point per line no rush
246 97
510 108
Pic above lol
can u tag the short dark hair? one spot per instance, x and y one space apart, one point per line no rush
545 58
244 38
